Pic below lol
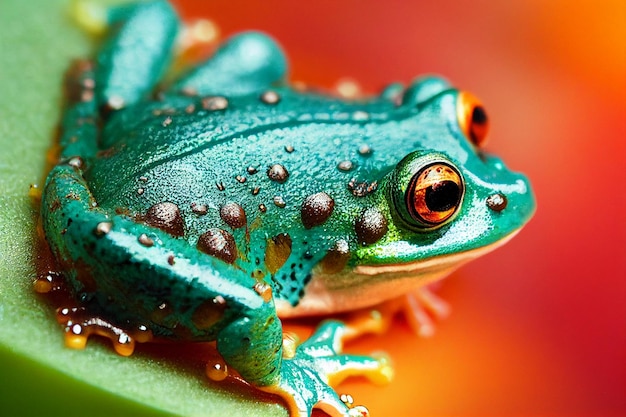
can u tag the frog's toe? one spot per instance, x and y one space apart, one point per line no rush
90 16
307 378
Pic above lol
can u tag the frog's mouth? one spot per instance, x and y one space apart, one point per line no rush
368 285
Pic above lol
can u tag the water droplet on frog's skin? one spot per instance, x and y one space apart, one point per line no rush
189 91
143 179
497 202
289 149
167 121
361 189
345 166
360 115
217 370
167 217
113 104
145 240
218 243
240 179
370 226
278 173
270 97
220 186
76 162
316 209
256 190
279 202
190 108
233 215
277 251
251 170
103 228
209 312
199 209
214 103
336 258
365 150
262 208
140 191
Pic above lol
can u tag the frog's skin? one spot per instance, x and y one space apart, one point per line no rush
207 207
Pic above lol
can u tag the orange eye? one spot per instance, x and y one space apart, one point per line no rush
472 118
434 194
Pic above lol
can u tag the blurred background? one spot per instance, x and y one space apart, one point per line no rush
539 326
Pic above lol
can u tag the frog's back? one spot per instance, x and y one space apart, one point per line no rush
261 155
207 151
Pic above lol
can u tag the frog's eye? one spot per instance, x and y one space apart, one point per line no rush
434 194
472 118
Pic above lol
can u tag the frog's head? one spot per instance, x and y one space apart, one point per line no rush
443 204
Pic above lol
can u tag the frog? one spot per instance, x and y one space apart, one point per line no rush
210 204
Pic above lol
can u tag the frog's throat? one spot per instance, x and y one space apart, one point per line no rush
368 285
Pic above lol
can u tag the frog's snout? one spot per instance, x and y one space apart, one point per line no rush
510 189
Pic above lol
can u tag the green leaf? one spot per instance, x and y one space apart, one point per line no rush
40 376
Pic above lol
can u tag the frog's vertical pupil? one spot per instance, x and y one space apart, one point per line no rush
442 196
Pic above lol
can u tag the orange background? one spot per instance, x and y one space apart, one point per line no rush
539 327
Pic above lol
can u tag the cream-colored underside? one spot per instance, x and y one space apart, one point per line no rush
368 285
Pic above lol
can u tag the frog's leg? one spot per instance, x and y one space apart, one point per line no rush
317 364
246 63
122 256
419 308
136 52
128 269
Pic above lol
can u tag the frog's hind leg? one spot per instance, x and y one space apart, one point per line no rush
246 63
317 364
136 52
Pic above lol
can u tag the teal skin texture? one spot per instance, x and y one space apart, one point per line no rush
227 198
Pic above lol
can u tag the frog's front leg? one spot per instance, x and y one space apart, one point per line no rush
128 269
308 373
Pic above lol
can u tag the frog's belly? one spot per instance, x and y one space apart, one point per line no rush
368 285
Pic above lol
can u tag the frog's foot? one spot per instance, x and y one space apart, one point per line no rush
420 307
79 325
317 364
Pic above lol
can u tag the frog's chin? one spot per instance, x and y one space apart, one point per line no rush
369 285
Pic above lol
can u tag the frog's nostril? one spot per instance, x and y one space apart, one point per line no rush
497 202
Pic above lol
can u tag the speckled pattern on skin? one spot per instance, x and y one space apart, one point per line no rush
205 210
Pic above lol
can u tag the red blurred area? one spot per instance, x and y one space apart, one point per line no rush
539 327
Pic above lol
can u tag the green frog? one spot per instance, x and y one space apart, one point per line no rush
206 205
